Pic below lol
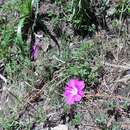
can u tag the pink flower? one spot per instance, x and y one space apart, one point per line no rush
74 91
35 49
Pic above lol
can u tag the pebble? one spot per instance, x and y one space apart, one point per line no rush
60 127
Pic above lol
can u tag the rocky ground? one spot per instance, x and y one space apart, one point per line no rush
34 97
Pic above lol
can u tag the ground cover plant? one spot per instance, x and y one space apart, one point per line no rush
64 63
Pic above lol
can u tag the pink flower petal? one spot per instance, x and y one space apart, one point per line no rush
71 83
67 93
77 98
80 85
35 50
74 91
81 93
70 100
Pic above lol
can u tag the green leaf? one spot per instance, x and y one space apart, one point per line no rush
128 10
19 29
77 119
26 7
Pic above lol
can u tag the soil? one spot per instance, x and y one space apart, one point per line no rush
113 87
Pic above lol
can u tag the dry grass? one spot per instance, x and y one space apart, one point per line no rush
35 94
114 86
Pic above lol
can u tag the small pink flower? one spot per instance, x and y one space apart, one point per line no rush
35 50
74 91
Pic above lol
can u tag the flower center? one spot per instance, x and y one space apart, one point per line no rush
74 91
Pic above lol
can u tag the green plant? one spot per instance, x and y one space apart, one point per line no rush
12 124
65 107
110 104
82 16
27 21
26 16
40 115
115 23
16 65
7 30
56 21
101 120
9 38
5 42
9 123
126 106
77 119
80 65
116 126
122 8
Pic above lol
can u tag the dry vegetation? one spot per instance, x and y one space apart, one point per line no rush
92 46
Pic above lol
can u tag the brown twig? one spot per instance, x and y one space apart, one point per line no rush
106 96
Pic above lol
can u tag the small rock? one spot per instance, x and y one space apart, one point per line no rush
60 127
